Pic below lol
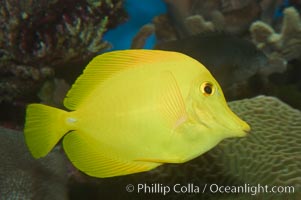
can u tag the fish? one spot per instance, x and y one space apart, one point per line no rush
132 111
232 60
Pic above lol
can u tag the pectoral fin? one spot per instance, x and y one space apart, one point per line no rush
170 100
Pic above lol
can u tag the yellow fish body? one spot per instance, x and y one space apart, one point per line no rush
134 110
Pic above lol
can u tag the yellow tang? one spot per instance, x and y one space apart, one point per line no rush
134 110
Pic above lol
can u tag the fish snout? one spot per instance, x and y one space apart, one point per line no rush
246 128
239 127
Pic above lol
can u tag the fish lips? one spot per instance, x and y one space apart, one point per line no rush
242 132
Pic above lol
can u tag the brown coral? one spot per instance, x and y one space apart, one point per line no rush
283 50
186 18
285 44
139 40
233 16
38 35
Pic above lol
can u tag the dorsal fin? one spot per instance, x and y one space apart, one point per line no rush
106 65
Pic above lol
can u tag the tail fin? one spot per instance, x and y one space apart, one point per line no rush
44 127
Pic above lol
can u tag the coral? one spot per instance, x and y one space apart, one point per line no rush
285 44
274 142
38 36
233 16
164 30
269 155
197 24
186 18
283 51
53 92
140 38
272 10
23 177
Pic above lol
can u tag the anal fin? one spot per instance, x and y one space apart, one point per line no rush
89 157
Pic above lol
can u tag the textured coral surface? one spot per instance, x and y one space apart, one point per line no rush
23 177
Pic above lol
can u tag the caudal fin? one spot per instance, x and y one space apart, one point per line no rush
44 127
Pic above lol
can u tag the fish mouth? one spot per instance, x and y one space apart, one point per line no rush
245 130
242 127
242 130
244 133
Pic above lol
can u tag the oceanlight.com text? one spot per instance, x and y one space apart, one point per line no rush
250 189
191 188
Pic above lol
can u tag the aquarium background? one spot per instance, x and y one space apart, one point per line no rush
253 49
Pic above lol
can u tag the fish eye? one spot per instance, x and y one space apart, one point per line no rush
207 88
